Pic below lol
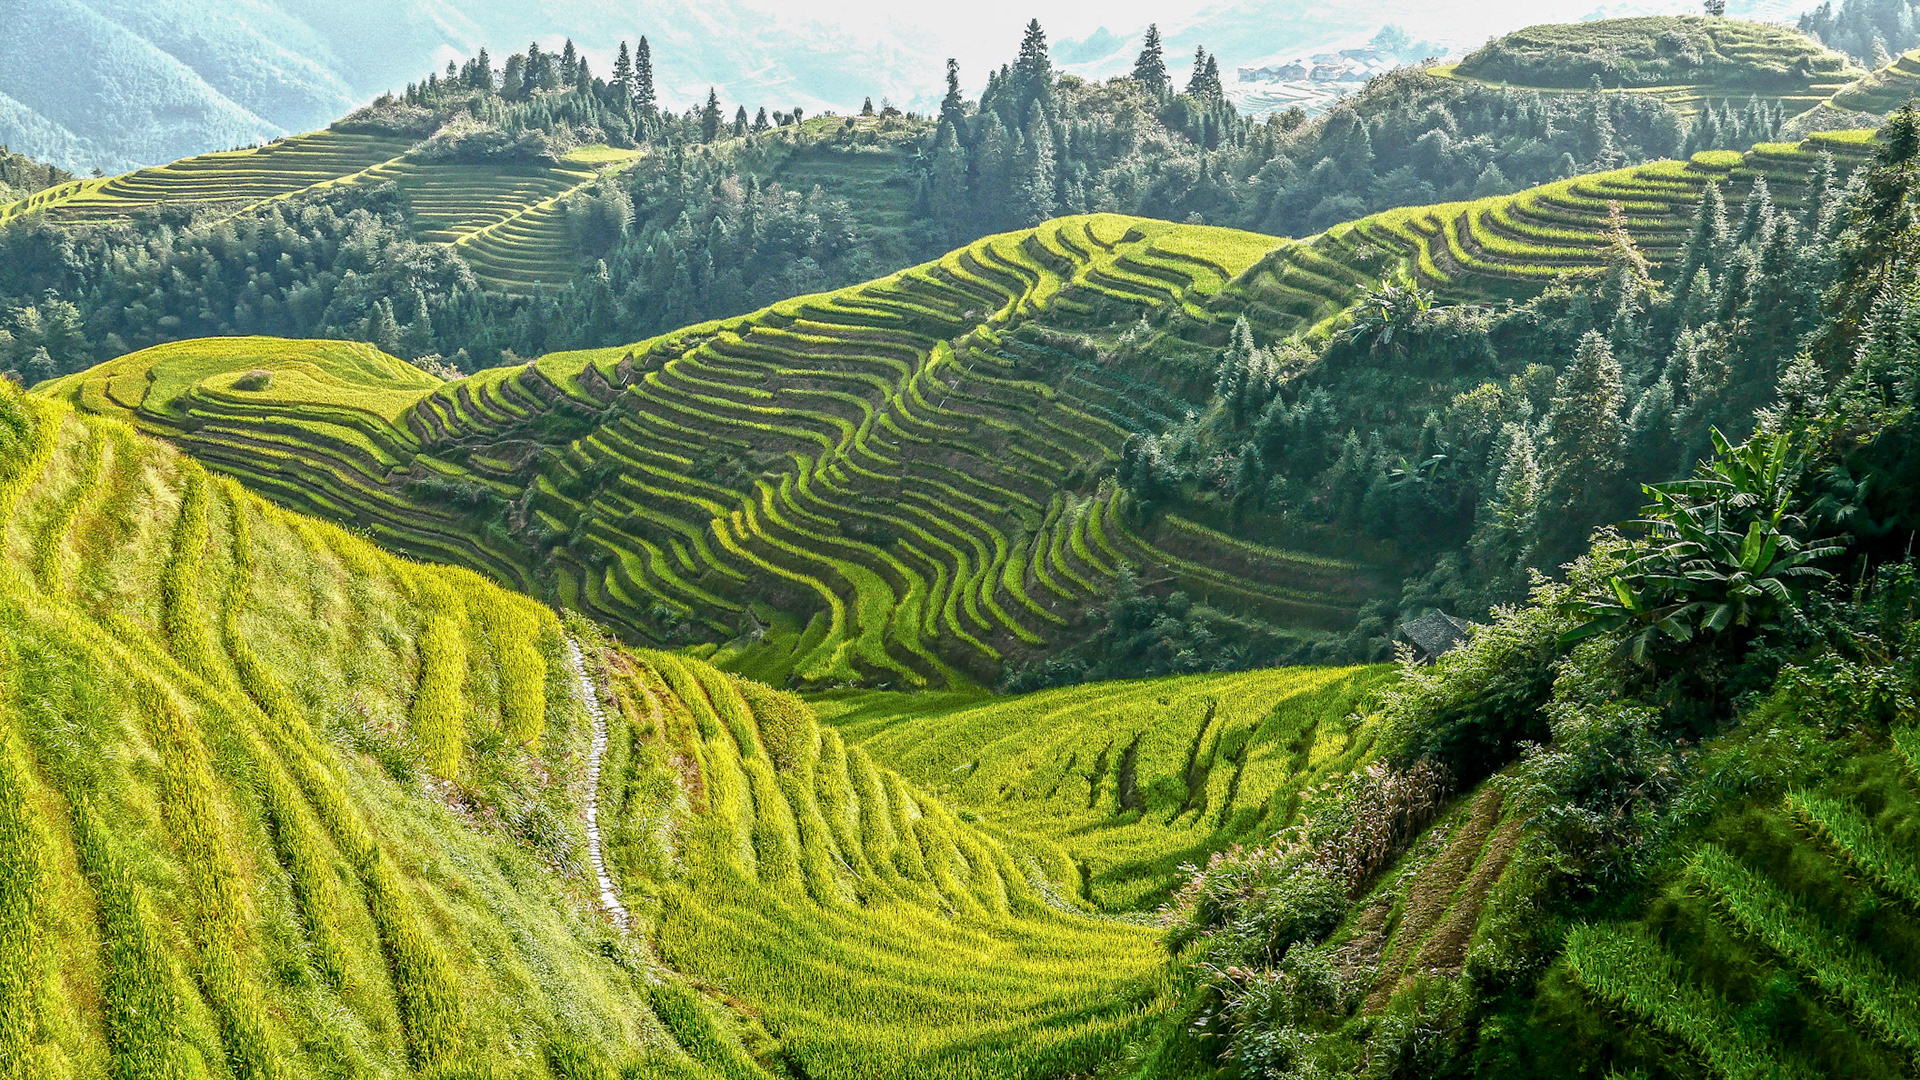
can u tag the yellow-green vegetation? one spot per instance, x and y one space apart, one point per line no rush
1885 90
1512 245
891 483
1120 784
1687 60
239 178
276 803
504 215
220 851
877 930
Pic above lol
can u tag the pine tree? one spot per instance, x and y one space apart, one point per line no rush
513 80
953 107
539 74
948 196
994 189
1585 435
760 122
1215 91
1150 69
569 64
1036 194
740 122
383 330
483 72
1197 82
623 73
1033 71
1705 243
644 102
710 117
1756 217
866 106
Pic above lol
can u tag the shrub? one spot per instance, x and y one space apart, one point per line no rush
253 381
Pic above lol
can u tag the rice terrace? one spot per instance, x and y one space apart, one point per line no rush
892 567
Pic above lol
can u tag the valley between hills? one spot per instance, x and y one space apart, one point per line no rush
525 583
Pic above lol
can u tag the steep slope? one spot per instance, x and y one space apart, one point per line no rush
876 484
876 931
894 481
1783 946
220 858
115 86
1885 90
506 216
1513 245
277 804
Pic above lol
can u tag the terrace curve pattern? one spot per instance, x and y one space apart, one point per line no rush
1817 890
1687 61
1511 246
895 483
504 217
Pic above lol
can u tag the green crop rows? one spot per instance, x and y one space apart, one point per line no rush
1115 785
887 461
875 930
217 853
505 217
1885 90
1512 245
1688 61
1816 892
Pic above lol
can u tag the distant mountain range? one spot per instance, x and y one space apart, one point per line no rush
117 84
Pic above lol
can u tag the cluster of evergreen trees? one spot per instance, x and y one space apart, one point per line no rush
1871 31
697 230
21 176
1473 443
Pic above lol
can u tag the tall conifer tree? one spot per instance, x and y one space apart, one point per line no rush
953 107
1151 67
644 101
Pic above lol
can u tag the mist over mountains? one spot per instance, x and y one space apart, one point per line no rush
117 84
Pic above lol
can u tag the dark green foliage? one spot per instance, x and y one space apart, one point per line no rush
1870 31
1724 554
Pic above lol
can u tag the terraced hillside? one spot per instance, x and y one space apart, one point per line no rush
1511 245
882 484
239 178
1689 61
1886 89
1787 946
279 804
876 930
1128 780
504 216
217 853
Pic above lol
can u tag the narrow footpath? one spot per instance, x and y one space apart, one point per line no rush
609 898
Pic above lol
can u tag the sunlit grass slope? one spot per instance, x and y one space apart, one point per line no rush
886 483
505 217
1128 780
274 803
1689 61
1514 245
876 930
1886 89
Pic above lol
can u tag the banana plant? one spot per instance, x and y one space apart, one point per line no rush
1722 551
1387 314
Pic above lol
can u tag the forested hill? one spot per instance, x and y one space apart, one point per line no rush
1256 449
567 207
